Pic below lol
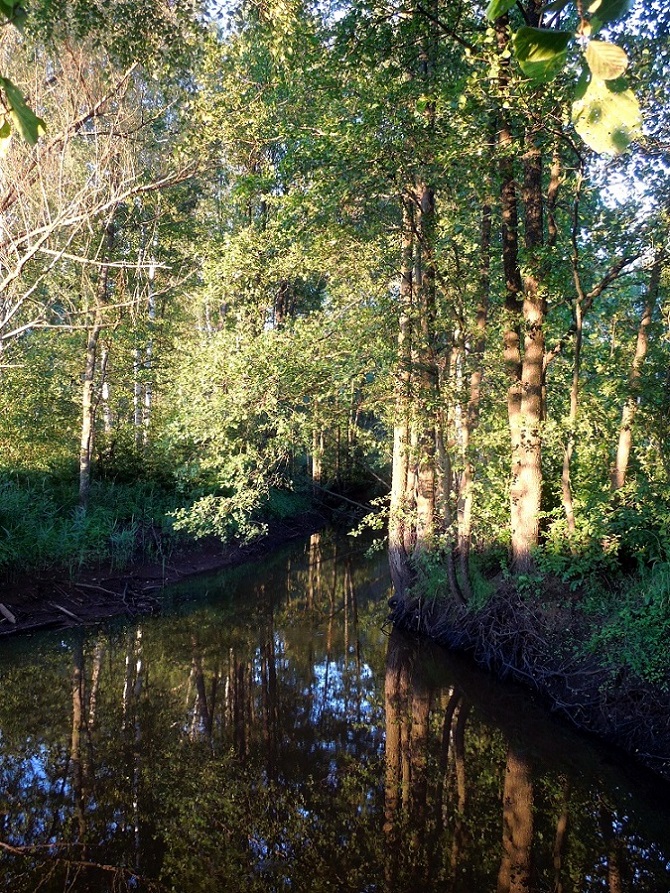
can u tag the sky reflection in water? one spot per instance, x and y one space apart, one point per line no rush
269 733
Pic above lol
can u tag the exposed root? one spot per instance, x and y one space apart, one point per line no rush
540 648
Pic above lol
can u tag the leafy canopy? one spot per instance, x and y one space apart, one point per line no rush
606 114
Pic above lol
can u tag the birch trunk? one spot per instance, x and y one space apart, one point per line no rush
88 412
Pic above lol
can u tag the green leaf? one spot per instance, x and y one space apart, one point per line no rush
13 12
607 121
582 83
606 60
28 124
497 8
555 6
541 52
609 10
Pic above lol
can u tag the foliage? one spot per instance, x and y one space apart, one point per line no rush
633 633
40 526
605 114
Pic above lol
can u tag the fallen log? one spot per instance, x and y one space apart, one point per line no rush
64 611
7 614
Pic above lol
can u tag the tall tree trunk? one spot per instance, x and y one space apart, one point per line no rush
107 416
413 497
526 489
524 305
566 473
424 362
148 358
472 411
317 455
88 401
401 506
618 478
88 406
512 274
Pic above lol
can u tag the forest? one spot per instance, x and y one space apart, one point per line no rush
407 254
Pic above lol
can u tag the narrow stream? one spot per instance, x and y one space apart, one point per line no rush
268 732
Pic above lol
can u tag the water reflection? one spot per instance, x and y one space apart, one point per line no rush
268 734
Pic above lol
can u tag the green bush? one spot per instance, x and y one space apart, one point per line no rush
634 626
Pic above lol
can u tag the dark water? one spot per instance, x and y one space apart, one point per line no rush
268 734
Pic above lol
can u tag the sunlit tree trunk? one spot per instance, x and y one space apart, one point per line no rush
566 472
618 478
512 275
317 456
88 400
105 396
88 406
424 361
414 486
526 490
149 357
524 308
401 507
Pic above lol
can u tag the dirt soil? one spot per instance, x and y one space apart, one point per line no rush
55 600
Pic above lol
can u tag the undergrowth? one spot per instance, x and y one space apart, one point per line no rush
41 525
631 625
621 619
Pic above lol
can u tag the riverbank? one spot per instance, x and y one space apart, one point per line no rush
55 599
544 642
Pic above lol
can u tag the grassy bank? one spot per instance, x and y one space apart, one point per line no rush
42 526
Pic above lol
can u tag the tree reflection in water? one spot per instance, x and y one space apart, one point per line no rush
270 735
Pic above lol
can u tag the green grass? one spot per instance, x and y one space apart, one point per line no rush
42 526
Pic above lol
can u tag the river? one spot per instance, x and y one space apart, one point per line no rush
269 732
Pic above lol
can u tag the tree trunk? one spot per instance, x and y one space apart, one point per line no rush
472 412
401 500
526 487
512 274
566 483
88 401
148 359
424 362
88 405
107 416
618 477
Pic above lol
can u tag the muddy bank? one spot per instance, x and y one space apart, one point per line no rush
54 600
540 643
